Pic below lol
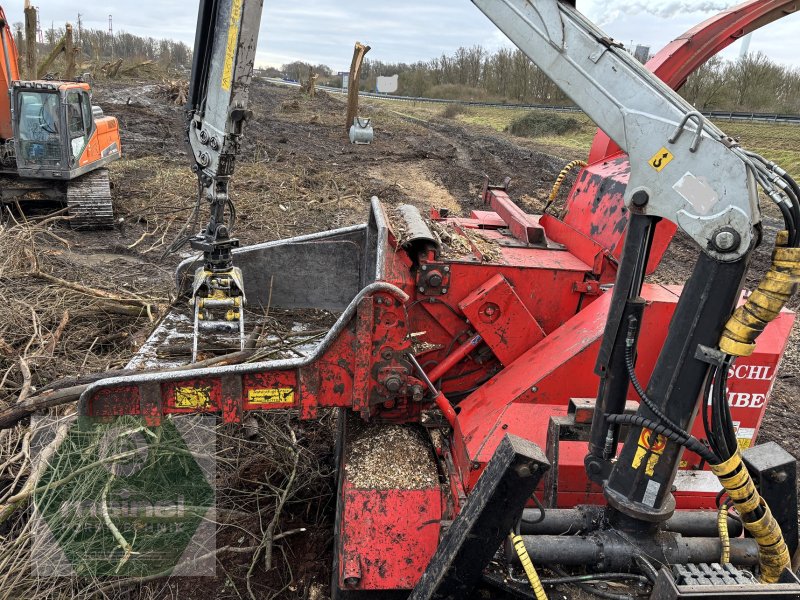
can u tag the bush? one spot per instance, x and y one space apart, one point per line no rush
538 124
451 111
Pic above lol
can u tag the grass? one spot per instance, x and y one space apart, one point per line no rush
776 141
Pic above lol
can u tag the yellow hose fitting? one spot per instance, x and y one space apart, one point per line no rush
765 303
527 564
562 176
773 554
724 537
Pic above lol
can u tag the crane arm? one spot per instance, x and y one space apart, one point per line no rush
222 68
683 168
217 108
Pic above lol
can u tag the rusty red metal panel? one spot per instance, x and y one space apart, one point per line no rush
363 356
523 226
596 208
582 246
111 402
270 390
487 219
526 394
497 313
387 537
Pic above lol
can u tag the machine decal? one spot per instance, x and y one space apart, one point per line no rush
651 492
230 50
271 396
698 192
112 149
661 159
649 445
192 397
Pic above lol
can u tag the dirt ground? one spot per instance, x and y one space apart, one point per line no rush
297 174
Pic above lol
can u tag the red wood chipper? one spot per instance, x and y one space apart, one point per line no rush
554 391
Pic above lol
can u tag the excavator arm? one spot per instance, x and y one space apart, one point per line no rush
222 69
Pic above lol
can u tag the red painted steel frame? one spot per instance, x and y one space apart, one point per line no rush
498 386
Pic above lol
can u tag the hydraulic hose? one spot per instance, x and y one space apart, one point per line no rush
560 181
724 538
629 345
765 303
739 339
773 554
690 443
527 565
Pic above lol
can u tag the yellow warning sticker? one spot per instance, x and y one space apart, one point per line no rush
744 443
192 397
271 396
661 159
233 42
651 444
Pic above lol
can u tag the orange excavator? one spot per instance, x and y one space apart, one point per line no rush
54 145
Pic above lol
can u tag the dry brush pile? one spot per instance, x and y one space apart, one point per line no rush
66 321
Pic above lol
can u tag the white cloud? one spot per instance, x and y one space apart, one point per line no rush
323 31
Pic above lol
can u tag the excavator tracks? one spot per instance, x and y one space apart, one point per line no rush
89 201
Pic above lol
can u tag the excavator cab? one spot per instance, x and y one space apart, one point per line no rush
61 146
57 134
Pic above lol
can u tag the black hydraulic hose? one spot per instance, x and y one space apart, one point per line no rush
714 438
629 345
789 220
593 590
542 514
688 442
595 577
796 206
729 432
706 397
648 569
724 436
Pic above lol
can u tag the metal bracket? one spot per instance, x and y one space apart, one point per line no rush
712 356
433 279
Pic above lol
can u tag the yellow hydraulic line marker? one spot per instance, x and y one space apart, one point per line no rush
739 339
560 181
530 570
724 538
773 554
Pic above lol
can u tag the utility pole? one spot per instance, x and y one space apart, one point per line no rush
39 31
111 34
80 29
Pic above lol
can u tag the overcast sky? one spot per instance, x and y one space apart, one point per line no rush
323 31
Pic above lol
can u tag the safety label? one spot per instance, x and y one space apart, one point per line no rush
192 397
651 493
271 396
652 444
661 159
